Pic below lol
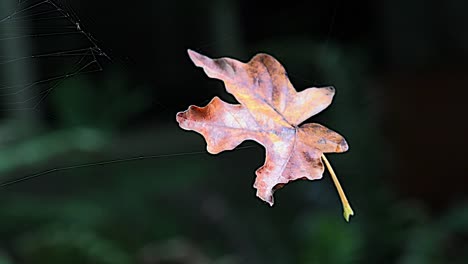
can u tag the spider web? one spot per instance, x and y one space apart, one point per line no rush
41 38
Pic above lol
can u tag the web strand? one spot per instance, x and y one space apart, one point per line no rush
103 163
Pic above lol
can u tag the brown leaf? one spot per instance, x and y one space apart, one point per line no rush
269 112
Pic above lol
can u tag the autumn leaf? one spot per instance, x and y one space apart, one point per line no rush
270 112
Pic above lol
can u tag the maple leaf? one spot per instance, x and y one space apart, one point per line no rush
270 112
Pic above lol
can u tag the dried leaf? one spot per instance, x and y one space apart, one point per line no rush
270 112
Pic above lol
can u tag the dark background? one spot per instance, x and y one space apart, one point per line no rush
400 71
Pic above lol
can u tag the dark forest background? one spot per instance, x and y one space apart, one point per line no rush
400 69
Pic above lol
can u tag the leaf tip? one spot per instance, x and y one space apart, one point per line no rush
190 52
270 202
194 56
343 146
265 194
180 117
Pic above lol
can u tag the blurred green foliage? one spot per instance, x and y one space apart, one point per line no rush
79 102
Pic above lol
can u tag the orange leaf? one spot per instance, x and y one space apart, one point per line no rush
270 112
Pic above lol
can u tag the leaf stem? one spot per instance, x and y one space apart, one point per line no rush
347 210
